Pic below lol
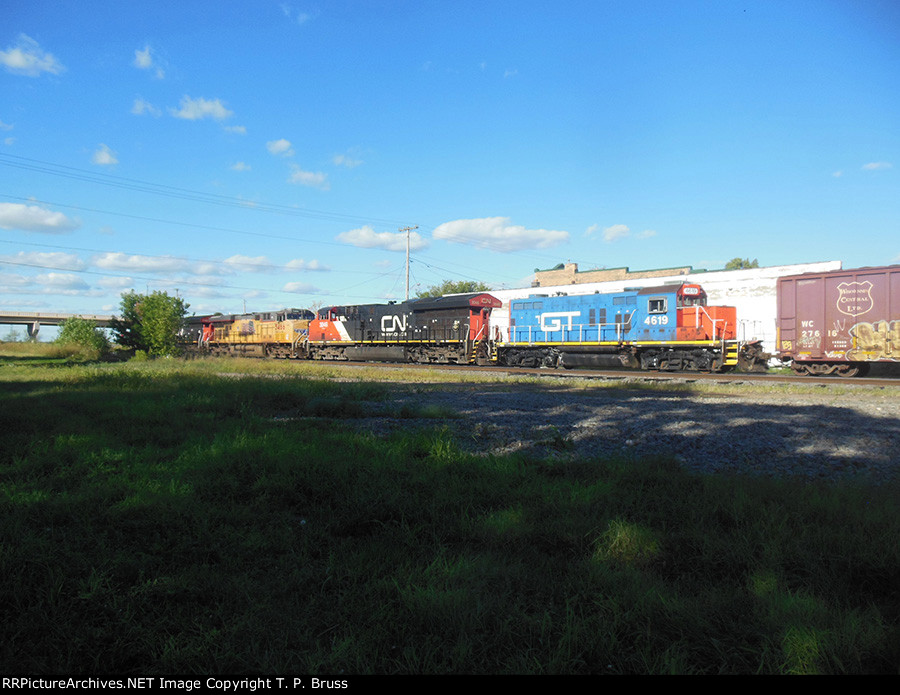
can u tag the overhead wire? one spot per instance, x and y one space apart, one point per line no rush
74 173
138 185
179 281
227 262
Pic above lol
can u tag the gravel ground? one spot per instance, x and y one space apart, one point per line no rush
829 436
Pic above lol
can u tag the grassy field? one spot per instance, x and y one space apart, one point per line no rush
227 517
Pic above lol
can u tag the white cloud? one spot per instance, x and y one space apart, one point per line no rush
280 148
65 282
6 126
308 178
116 283
646 234
210 268
142 59
240 166
837 174
610 234
143 264
27 58
300 288
55 259
31 218
617 231
877 166
236 129
215 294
249 264
104 156
13 282
301 18
367 238
141 107
342 160
300 264
145 61
199 108
497 234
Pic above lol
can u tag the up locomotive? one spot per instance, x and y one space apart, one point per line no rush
263 334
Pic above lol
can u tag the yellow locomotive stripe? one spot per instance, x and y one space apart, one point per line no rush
636 343
386 342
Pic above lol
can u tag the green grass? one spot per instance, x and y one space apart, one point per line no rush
163 518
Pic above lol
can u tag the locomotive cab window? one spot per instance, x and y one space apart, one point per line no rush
691 295
693 301
657 305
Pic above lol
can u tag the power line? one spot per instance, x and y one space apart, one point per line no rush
184 224
138 185
180 281
104 179
142 186
225 263
180 224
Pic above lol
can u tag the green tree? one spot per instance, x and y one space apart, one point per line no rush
451 287
84 334
741 263
150 322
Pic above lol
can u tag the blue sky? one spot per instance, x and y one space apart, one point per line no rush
266 154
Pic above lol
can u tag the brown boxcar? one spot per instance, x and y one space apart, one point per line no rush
839 322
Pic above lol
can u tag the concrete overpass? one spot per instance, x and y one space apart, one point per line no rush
34 320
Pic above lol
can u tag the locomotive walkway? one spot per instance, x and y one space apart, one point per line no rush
33 321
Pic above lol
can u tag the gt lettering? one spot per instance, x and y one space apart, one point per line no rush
552 321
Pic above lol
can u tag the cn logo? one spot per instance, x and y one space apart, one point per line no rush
553 320
393 324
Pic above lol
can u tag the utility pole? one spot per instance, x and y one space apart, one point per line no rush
407 230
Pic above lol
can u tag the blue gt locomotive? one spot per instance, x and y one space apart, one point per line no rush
668 328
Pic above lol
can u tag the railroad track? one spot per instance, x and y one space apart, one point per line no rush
632 375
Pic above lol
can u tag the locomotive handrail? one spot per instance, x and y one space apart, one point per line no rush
567 333
712 321
301 335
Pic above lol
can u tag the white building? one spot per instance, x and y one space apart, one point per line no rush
751 291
